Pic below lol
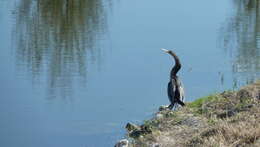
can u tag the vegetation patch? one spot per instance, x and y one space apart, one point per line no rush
231 118
199 102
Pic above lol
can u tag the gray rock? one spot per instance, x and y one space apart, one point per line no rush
131 127
163 108
122 143
156 145
227 114
159 116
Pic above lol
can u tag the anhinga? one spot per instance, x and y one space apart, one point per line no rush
175 88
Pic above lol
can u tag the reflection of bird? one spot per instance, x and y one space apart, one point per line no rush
175 88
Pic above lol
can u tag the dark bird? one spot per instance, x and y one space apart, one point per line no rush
175 88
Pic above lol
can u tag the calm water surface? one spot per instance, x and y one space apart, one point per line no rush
73 73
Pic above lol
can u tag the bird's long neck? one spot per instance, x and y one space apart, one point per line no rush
177 65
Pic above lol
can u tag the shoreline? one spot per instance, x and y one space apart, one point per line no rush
230 118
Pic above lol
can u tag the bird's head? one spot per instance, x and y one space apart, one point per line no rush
166 51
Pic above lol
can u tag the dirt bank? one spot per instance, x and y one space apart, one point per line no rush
231 118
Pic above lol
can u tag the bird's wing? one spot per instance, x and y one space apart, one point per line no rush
181 90
173 85
182 93
171 91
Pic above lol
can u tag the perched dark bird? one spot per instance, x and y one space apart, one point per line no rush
175 87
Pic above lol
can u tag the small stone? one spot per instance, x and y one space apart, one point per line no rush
156 145
163 108
141 137
159 116
169 114
226 114
122 143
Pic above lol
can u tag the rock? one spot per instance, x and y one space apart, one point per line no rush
163 108
146 129
226 114
136 133
134 130
122 143
131 127
159 116
156 145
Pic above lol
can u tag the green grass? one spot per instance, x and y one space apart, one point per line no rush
198 105
151 123
199 102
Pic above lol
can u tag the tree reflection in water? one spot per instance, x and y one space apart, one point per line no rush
57 36
241 37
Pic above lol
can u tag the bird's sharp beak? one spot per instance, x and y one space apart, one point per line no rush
165 50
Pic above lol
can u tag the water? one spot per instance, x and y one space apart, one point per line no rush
75 72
